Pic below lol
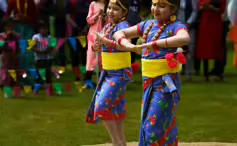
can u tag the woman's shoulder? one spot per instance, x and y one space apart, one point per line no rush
177 23
146 23
123 24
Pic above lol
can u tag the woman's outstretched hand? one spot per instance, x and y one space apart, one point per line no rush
138 48
146 46
133 48
96 46
99 36
97 43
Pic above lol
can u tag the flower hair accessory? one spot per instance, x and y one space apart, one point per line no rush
174 59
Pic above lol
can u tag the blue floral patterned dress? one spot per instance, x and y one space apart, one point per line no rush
108 101
161 94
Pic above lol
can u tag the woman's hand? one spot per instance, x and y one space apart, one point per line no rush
133 48
147 46
96 46
97 43
99 37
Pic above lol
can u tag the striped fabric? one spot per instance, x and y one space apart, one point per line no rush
42 44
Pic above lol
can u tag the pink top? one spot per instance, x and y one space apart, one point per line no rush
94 25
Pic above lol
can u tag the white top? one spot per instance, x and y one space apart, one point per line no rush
39 38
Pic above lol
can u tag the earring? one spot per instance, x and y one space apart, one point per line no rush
173 18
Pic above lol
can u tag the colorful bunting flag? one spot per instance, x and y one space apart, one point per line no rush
53 42
73 42
8 92
27 89
42 72
82 40
12 44
13 74
2 43
48 89
60 43
67 87
34 72
17 91
58 88
23 45
3 74
36 88
44 43
78 86
31 44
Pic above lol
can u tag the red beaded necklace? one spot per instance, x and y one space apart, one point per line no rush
162 28
108 29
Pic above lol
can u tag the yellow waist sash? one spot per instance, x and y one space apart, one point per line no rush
155 68
116 61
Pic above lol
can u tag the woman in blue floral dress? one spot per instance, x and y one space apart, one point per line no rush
161 64
108 102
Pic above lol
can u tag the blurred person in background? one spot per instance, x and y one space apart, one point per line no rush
60 25
96 20
44 9
219 66
24 13
209 40
76 14
188 15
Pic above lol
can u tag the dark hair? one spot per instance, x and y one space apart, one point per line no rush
124 2
43 24
176 3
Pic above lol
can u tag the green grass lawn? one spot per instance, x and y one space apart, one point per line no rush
207 112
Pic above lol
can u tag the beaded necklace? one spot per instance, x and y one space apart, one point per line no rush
25 7
162 28
108 29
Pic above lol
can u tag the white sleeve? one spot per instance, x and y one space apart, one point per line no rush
35 37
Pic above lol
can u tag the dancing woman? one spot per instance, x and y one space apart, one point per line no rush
232 14
161 63
108 102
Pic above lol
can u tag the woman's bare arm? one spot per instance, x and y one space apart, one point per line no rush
180 39
128 33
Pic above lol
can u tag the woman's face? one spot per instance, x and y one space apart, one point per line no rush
161 11
114 12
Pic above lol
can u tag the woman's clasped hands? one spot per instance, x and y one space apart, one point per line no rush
100 39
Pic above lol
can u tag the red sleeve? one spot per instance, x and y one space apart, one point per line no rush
10 8
223 6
